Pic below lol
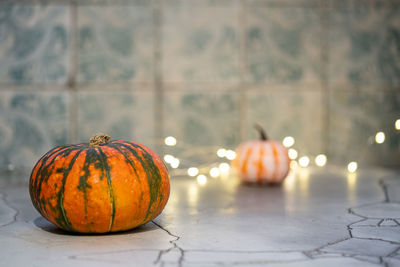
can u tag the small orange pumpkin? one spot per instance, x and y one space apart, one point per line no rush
103 186
262 161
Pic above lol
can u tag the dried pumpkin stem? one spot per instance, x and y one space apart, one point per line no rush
263 135
98 139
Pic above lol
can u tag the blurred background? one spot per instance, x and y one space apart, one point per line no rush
324 72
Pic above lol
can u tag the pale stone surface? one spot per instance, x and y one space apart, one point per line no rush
392 184
7 213
387 233
379 210
316 218
391 261
367 247
238 257
367 222
325 262
389 222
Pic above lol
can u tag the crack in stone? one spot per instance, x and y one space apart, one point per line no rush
384 188
380 222
389 219
311 254
394 253
377 239
3 196
362 220
174 246
318 251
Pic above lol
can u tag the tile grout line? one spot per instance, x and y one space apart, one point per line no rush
71 84
325 13
243 109
157 72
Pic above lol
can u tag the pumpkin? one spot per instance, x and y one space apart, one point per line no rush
103 186
262 161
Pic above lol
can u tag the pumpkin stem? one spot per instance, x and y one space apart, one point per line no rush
263 135
98 139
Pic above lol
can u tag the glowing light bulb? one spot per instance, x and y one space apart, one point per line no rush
170 141
230 154
202 179
352 167
288 141
221 152
224 167
304 161
214 172
320 160
397 124
292 153
380 137
168 158
175 163
193 171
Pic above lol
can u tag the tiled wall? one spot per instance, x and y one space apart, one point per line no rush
325 72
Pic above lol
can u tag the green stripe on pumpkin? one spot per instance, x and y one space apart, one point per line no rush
44 174
91 157
63 220
132 164
39 165
106 168
151 169
127 159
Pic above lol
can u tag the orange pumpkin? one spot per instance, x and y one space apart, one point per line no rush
103 186
262 161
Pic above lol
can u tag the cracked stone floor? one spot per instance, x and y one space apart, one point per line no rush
318 217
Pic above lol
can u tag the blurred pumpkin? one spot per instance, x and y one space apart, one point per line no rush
262 161
103 186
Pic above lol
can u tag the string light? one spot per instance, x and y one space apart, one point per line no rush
168 158
202 179
221 152
170 141
230 154
288 141
380 137
193 171
293 164
175 163
224 167
214 172
304 161
292 153
352 167
320 160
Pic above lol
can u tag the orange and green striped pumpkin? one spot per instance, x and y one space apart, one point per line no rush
262 161
104 186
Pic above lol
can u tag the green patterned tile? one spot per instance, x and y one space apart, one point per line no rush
296 113
200 44
283 45
356 117
30 125
197 3
285 3
122 115
34 43
199 118
365 46
115 44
